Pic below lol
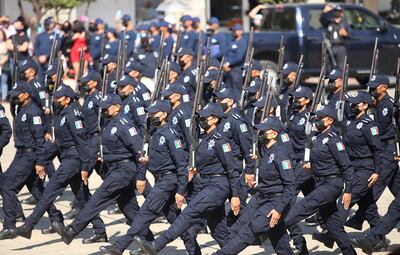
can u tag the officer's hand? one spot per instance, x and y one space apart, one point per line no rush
140 185
397 157
226 68
307 166
343 32
85 177
144 160
346 199
275 216
179 199
40 171
48 137
47 110
42 59
235 205
253 156
372 180
192 173
250 180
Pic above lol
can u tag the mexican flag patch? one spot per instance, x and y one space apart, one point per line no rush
374 131
178 144
226 147
340 146
132 131
243 128
42 94
285 138
140 111
286 164
37 120
78 124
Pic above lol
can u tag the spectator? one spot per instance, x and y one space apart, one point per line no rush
5 23
66 42
4 68
79 42
22 40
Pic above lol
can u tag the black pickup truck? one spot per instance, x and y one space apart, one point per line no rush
302 30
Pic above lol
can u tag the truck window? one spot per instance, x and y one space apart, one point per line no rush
279 19
313 19
361 20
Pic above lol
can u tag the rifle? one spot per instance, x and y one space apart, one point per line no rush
281 59
56 84
119 62
219 77
374 59
396 112
194 143
199 55
53 51
314 105
15 72
208 51
103 90
246 81
103 46
265 112
154 97
166 75
160 56
248 56
342 97
178 42
296 83
328 48
81 64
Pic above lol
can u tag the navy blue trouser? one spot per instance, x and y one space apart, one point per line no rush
67 173
208 204
22 172
234 81
161 199
193 188
254 224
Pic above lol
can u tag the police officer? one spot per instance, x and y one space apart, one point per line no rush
219 42
254 88
96 43
130 35
44 42
189 71
210 83
133 108
288 72
365 149
333 88
332 170
167 161
5 134
189 37
234 60
110 61
163 27
28 163
235 130
276 188
383 110
215 164
71 141
134 69
332 18
121 152
111 46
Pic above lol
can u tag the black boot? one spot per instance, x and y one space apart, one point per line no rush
111 249
365 244
67 234
137 252
324 238
301 249
55 227
24 231
114 211
96 238
7 233
354 224
72 214
148 247
29 201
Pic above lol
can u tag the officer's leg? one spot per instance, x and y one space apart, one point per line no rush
280 239
339 52
194 187
78 187
217 223
295 231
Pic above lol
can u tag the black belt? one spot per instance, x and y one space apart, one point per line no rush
165 173
388 141
120 161
24 150
274 195
68 148
324 178
94 134
211 175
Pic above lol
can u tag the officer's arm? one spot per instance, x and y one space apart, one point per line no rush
36 47
339 153
238 57
168 47
223 45
180 158
224 153
131 138
37 131
243 137
184 124
286 172
75 126
195 43
131 44
5 129
374 143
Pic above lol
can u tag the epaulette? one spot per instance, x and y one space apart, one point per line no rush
180 112
173 131
194 71
123 121
391 100
236 116
332 134
367 120
217 136
97 97
77 113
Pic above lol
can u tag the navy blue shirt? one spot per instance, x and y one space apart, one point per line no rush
383 114
219 45
29 130
121 141
236 52
44 41
166 153
329 157
111 84
133 109
148 61
111 48
189 40
188 79
179 119
143 93
95 45
70 135
5 129
130 38
90 112
276 174
168 45
214 156
297 133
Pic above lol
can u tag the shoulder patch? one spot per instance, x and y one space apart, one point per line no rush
217 136
286 164
178 144
226 147
374 131
78 124
243 128
133 131
140 111
285 137
37 120
340 146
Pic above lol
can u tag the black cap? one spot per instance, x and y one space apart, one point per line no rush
52 69
210 75
159 106
335 74
254 86
108 58
64 90
302 91
378 79
289 68
25 64
91 76
224 93
271 122
20 87
326 111
126 80
174 87
212 109
184 51
133 65
110 99
360 96
175 67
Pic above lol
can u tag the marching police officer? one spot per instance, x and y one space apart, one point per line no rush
167 161
110 61
130 35
5 134
276 188
121 152
73 170
163 26
210 84
215 164
28 163
332 170
189 37
219 42
111 46
134 69
288 72
189 71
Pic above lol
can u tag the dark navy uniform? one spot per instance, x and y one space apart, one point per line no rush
121 152
189 40
43 44
130 38
168 163
30 144
168 45
219 45
188 79
71 141
95 46
5 134
219 174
